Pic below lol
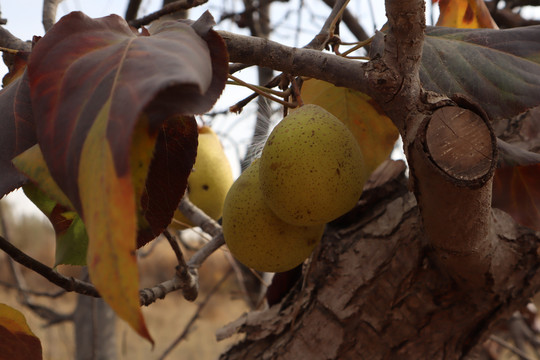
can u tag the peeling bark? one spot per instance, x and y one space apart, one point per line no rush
375 290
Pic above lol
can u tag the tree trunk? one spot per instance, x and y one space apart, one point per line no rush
95 330
374 289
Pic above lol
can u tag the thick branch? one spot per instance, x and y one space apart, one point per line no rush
394 73
8 40
301 62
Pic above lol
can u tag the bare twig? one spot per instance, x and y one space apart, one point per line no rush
260 92
318 43
510 347
188 277
52 295
198 217
51 316
350 21
49 13
67 283
200 256
195 316
303 62
167 9
327 32
132 10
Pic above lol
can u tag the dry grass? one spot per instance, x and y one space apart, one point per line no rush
166 318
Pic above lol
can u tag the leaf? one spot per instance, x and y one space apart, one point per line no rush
91 80
499 69
17 68
17 341
470 14
32 164
374 131
17 131
167 177
516 191
108 208
512 155
71 236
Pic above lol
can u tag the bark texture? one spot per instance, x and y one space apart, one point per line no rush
375 289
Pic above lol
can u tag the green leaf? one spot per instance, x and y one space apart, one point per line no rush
71 237
498 69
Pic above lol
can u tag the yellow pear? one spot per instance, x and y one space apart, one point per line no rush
312 169
209 180
256 236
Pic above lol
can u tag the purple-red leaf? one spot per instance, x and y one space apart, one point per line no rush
17 131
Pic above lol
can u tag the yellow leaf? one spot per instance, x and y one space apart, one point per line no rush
17 341
32 164
109 213
374 131
469 14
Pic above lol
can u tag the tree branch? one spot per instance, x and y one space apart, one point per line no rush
49 13
67 283
351 22
8 40
167 9
301 62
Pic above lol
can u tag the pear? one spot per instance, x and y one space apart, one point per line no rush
209 180
256 236
312 169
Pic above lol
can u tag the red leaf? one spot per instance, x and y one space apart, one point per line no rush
17 341
516 190
17 131
167 179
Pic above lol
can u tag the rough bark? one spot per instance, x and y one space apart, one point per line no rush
375 290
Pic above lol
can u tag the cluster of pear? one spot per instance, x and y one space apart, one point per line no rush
310 172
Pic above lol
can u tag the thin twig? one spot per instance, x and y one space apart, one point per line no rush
196 315
327 31
200 256
53 295
318 43
167 9
188 278
262 93
198 217
510 347
67 283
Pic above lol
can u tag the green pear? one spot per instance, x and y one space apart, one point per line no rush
312 169
256 236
